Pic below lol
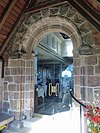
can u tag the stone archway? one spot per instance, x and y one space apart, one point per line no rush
35 26
46 25
66 12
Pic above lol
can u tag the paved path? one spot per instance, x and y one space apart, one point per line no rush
67 122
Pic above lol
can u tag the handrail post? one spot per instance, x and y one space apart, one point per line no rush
80 119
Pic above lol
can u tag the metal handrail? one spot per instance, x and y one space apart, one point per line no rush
81 105
77 99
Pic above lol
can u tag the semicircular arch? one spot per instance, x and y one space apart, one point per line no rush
46 25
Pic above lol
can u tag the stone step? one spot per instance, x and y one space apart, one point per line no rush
29 123
22 130
5 119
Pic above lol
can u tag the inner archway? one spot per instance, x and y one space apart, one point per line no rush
53 55
38 30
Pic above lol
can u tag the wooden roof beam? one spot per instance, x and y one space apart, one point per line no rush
44 5
85 11
7 12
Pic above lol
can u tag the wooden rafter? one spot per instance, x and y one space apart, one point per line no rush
7 12
14 27
79 5
45 5
86 12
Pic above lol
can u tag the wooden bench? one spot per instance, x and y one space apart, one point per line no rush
5 119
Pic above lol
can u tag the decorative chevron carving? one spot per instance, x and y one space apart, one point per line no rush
66 11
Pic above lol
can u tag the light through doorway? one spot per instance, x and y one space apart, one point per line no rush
53 56
54 78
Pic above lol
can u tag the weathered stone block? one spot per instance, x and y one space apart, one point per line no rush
12 63
76 62
97 69
17 62
77 91
63 9
8 78
5 86
5 106
32 93
23 71
28 113
45 12
7 71
16 95
89 95
19 79
76 70
11 95
93 81
27 95
27 87
12 87
54 11
28 63
5 96
83 93
15 105
97 96
27 104
86 28
15 71
18 87
28 71
28 79
82 80
77 80
22 105
83 70
21 94
90 70
22 63
91 60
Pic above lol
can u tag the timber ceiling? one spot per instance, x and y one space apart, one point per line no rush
11 12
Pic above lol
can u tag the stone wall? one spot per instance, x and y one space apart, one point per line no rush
92 70
87 77
19 88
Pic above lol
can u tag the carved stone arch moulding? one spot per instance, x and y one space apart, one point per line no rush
46 25
63 18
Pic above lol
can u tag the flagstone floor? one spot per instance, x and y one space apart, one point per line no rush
54 118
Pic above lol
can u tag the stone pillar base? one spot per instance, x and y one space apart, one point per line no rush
15 126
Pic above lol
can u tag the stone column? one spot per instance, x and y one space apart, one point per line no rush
92 69
88 75
77 75
18 97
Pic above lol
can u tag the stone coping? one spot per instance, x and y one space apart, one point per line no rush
5 118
